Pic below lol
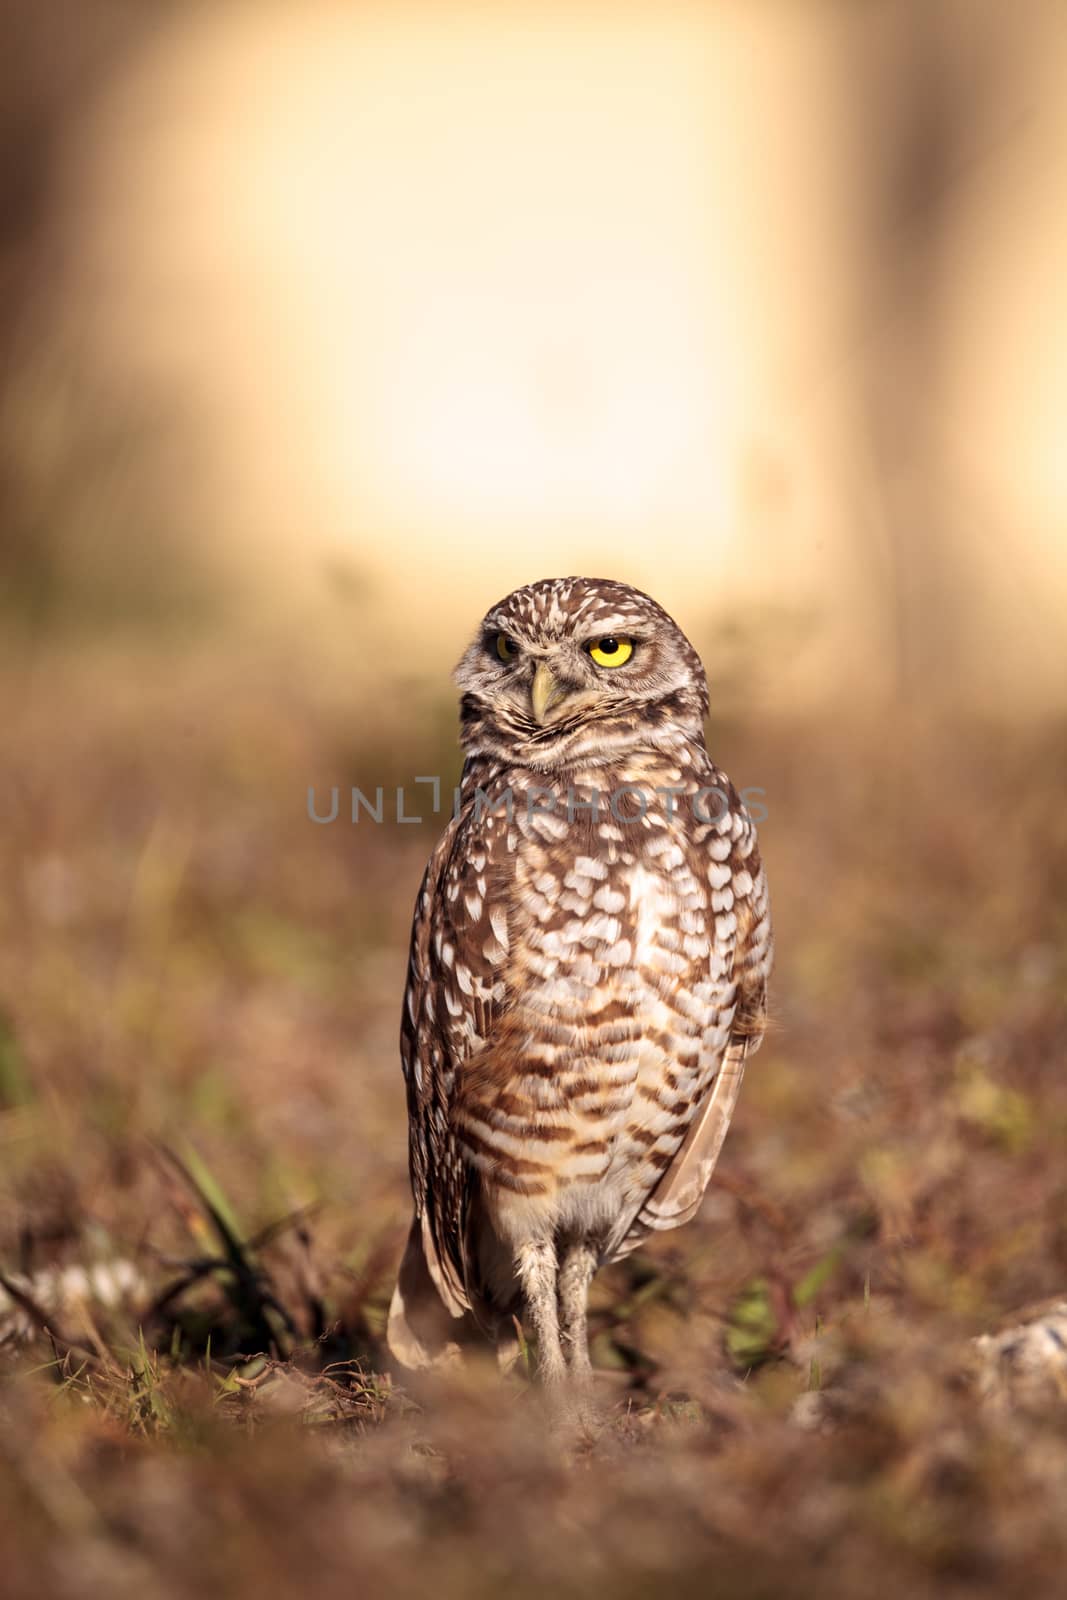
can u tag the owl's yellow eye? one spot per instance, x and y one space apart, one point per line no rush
611 652
506 648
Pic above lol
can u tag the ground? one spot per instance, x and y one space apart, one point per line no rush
203 1189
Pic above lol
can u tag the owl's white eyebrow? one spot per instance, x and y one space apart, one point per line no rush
602 629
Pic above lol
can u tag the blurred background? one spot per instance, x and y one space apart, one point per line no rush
390 308
322 327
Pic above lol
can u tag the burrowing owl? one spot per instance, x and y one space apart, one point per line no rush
588 971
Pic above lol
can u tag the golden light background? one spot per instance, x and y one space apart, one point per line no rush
759 307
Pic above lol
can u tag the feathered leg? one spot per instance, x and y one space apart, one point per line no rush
576 1274
536 1267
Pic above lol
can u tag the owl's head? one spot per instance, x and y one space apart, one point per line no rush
579 669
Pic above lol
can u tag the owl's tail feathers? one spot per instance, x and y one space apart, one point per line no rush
426 1330
421 1331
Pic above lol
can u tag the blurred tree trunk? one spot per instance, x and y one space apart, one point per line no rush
919 81
55 57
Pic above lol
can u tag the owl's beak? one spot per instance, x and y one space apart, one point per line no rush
546 692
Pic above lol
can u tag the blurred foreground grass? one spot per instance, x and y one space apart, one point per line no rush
203 1188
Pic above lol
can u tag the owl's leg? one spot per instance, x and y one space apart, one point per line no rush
536 1268
576 1274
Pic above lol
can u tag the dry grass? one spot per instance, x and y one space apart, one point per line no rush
203 1190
